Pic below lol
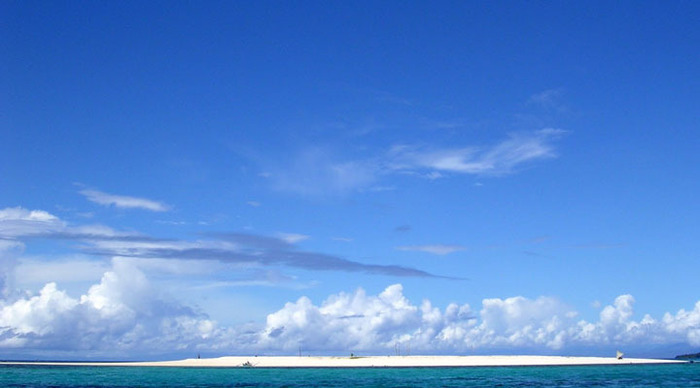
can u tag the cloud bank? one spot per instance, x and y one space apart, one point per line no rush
125 314
367 323
122 313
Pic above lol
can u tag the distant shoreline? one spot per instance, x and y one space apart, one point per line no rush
367 362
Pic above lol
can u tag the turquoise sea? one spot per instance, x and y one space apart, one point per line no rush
678 375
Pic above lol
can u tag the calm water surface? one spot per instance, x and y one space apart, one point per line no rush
683 375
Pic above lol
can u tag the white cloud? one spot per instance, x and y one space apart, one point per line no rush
498 159
519 321
321 171
546 98
17 221
122 201
550 100
436 249
292 238
18 213
683 324
344 321
125 313
318 171
433 175
35 315
359 322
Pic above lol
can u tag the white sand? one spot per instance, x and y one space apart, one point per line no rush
376 361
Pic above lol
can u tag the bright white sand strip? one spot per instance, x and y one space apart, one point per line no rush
374 361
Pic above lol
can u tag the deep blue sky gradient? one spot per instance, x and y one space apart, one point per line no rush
227 112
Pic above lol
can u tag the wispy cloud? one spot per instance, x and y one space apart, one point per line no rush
342 239
17 224
321 171
551 100
318 171
546 98
122 201
437 249
248 249
498 159
293 238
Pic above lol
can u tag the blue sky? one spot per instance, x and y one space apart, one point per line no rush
180 177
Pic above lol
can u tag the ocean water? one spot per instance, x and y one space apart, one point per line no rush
678 375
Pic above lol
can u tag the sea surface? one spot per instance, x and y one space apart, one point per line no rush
674 375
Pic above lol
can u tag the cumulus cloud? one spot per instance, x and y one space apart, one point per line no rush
122 201
436 249
123 312
344 321
359 322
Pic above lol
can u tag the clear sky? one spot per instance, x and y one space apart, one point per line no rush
370 177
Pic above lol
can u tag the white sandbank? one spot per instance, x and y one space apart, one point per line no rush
373 361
